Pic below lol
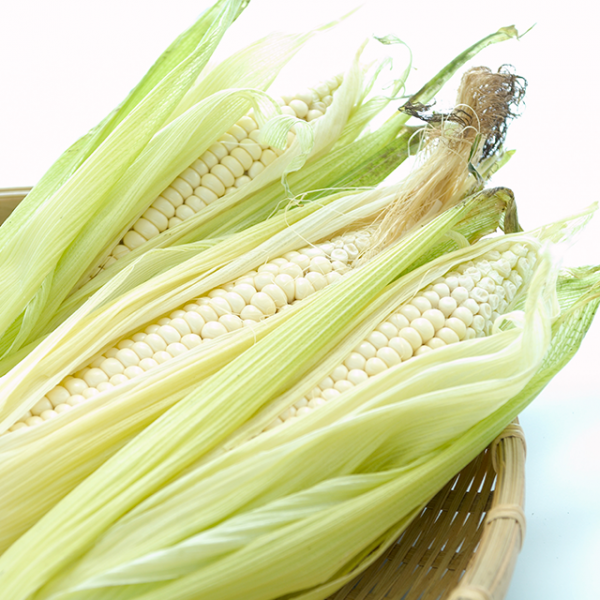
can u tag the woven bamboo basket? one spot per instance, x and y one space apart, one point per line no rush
465 542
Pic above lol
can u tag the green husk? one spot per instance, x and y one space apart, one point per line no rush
48 465
55 220
222 403
297 528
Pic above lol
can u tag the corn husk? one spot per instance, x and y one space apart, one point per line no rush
173 444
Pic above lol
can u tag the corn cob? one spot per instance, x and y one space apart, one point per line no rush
231 162
257 295
462 305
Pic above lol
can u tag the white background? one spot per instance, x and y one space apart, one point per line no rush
65 64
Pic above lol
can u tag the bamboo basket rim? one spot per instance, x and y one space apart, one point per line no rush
438 564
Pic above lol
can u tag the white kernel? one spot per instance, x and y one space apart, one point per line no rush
399 321
184 212
212 329
183 187
410 311
243 157
225 176
317 280
333 277
516 279
339 373
493 301
328 394
142 349
74 385
191 340
245 290
320 264
356 376
207 313
487 284
412 336
511 258
447 305
299 107
473 274
340 255
388 329
421 303
194 322
169 334
112 366
156 342
436 317
447 335
195 203
471 305
46 415
157 219
343 385
256 168
164 207
76 399
173 196
378 339
276 294
292 269
263 279
176 349
302 412
251 313
252 148
117 380
120 250
375 366
145 228
267 157
471 334
35 420
457 326
313 114
465 282
424 327
302 288
103 387
441 289
495 277
133 240
464 314
436 342
301 260
90 393
451 282
326 383
133 371
366 349
460 294
161 356
93 377
518 249
301 403
96 362
431 297
355 361
478 323
422 350
213 183
401 346
389 356
146 364
479 295
41 406
485 310
174 221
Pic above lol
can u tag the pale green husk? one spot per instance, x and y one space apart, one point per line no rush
229 398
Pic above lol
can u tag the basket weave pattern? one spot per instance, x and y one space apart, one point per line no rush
465 542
